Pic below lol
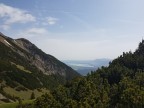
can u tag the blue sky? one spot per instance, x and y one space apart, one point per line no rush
76 29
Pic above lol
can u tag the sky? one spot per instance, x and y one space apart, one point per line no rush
75 29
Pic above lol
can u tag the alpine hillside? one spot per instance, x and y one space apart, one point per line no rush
24 67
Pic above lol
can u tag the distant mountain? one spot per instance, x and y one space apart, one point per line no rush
23 66
86 66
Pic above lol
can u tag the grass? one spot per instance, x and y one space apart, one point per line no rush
24 94
21 68
13 105
9 105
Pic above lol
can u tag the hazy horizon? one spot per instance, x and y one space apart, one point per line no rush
75 29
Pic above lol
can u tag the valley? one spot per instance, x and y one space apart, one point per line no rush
71 54
86 66
36 77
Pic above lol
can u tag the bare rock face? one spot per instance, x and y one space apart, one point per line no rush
45 63
2 96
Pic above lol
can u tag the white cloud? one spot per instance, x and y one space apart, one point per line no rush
13 15
33 32
36 31
52 20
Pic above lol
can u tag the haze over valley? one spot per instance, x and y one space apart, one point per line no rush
86 66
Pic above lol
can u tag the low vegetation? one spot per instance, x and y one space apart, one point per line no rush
16 104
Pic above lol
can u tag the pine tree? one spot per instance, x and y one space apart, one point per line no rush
32 96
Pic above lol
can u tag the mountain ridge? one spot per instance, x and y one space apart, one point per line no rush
24 65
30 48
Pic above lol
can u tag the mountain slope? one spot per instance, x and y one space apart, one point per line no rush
24 65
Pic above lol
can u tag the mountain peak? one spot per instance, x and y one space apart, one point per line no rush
24 40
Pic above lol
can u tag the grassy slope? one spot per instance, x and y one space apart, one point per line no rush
8 105
13 105
24 94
